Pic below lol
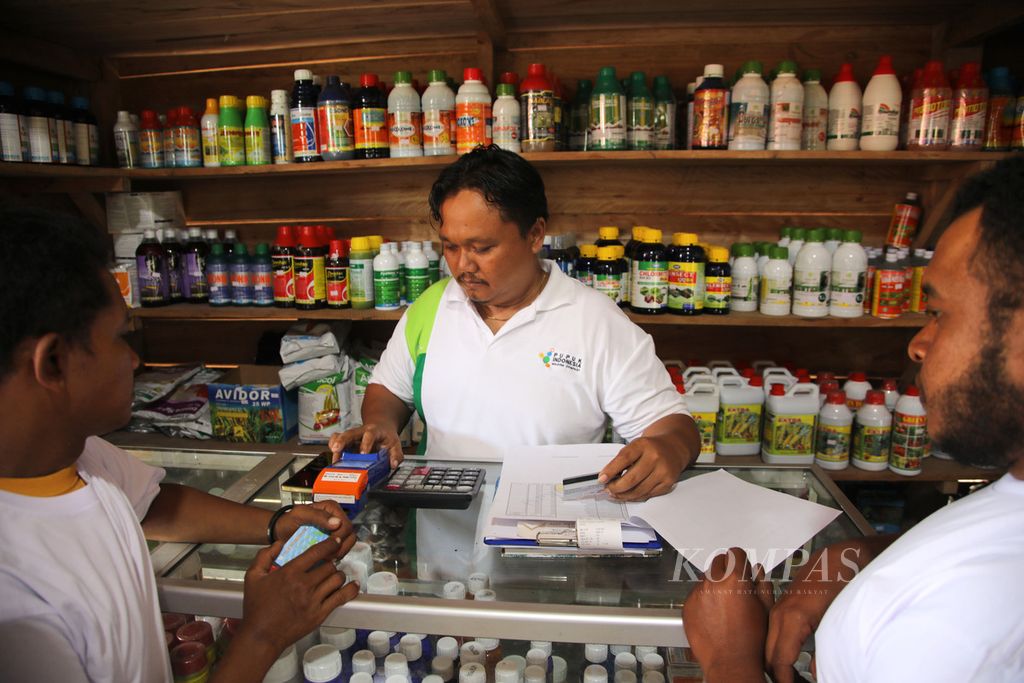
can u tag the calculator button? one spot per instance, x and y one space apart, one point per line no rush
421 471
463 487
393 487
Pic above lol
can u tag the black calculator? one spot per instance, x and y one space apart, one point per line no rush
427 486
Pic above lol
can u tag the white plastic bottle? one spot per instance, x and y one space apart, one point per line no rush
472 112
910 442
702 401
833 238
280 127
832 442
208 126
740 407
417 272
880 124
438 104
849 274
811 275
745 280
815 129
856 389
844 107
872 434
796 243
405 118
776 283
748 111
507 119
785 120
433 261
789 421
891 392
386 279
126 141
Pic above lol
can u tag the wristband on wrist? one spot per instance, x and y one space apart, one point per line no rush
271 536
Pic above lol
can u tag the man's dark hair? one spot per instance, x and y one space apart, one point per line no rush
999 257
506 181
54 269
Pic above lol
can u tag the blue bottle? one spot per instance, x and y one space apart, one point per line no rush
262 276
218 276
241 276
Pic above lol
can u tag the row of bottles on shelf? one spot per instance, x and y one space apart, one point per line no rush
791 418
41 128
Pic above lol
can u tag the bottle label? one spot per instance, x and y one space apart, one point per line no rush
929 120
607 122
151 147
775 291
815 128
437 129
739 423
153 281
386 290
887 298
335 128
918 297
232 146
416 282
609 284
195 277
54 140
664 125
175 281
999 124
187 150
304 142
405 129
305 280
281 138
10 137
969 114
360 280
506 131
168 146
748 122
257 146
710 118
262 285
745 289
844 124
241 285
870 443
910 442
650 288
706 427
881 119
717 292
83 153
833 443
586 277
810 291
371 127
848 290
66 142
787 124
284 278
685 286
211 148
219 282
579 125
640 132
788 434
538 112
903 225
473 125
337 285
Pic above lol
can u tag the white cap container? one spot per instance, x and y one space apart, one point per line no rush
286 669
872 434
534 674
395 664
447 647
379 643
364 662
625 660
382 583
595 653
473 652
321 664
472 673
595 674
361 677
337 636
506 672
559 669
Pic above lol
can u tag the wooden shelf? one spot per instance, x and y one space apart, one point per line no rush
932 470
256 313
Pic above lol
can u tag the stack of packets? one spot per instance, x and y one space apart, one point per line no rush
173 400
315 364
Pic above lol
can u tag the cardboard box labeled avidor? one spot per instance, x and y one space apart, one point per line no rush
249 404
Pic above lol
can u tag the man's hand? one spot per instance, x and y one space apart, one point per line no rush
726 619
651 467
325 515
281 606
369 438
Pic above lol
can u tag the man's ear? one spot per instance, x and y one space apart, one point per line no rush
536 235
50 361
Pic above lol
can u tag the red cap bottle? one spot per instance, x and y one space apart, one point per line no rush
845 74
836 398
885 67
148 120
188 659
308 237
338 249
472 74
970 76
875 398
756 381
858 377
912 390
778 390
369 81
285 236
934 76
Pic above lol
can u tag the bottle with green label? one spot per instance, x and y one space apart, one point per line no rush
607 276
664 114
640 131
417 272
387 290
650 267
230 135
360 277
607 113
579 116
685 275
257 132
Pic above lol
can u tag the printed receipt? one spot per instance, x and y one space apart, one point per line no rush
599 534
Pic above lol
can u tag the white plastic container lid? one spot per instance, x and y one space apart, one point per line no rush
625 676
382 583
397 678
625 660
303 75
595 674
619 649
534 674
321 663
454 590
447 647
652 661
519 661
443 666
379 643
473 672
395 664
485 594
364 662
431 678
472 653
285 669
361 552
478 582
713 71
541 645
653 677
537 657
338 637
595 653
362 677
506 672
559 669
411 647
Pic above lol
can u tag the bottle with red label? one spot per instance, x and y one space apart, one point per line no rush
906 216
910 443
370 116
890 282
282 251
537 102
930 110
472 112
309 264
334 121
336 274
970 110
1001 106
151 140
305 145
711 110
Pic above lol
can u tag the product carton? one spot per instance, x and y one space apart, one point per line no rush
249 404
138 211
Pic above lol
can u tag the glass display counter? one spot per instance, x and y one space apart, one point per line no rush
628 600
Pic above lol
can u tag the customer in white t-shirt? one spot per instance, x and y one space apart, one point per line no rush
511 352
78 599
944 602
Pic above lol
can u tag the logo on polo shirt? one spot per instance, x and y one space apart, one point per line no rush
552 358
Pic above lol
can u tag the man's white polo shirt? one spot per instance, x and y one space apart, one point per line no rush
550 375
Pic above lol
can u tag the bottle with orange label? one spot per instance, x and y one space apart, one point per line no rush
890 283
686 264
371 120
405 118
970 109
472 112
711 110
906 216
930 110
334 121
438 105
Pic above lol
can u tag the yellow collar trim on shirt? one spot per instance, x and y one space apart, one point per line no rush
48 486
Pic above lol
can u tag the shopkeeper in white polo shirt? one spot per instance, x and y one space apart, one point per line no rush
510 351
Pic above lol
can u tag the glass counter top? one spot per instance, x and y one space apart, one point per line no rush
211 471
